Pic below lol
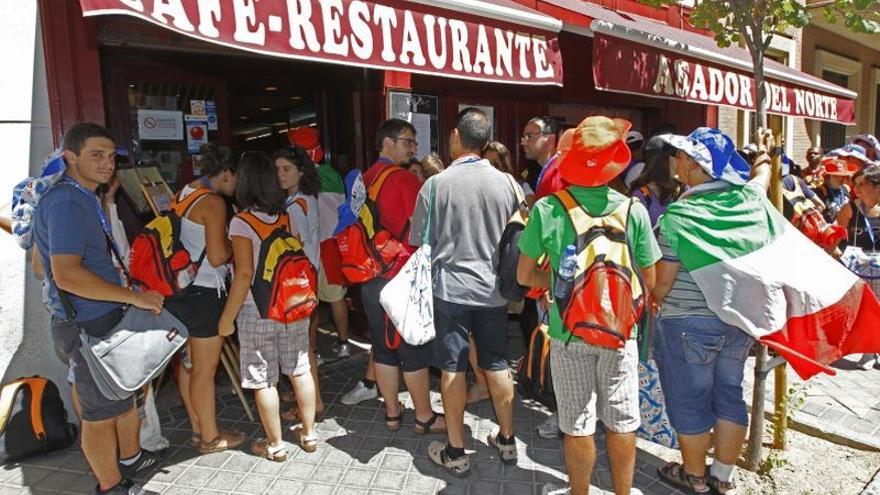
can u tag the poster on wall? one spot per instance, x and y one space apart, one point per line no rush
197 107
423 112
489 111
160 125
196 132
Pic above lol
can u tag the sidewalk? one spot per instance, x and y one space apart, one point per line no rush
357 455
843 409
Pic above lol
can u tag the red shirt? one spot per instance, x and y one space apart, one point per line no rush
396 202
551 179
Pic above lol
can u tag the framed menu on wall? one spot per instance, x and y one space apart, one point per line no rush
423 112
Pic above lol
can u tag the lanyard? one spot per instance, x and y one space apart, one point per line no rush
386 161
105 223
466 160
206 183
868 228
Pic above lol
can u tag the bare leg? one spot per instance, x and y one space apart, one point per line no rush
693 452
304 388
339 309
388 380
580 457
501 388
205 355
184 387
128 427
453 390
419 385
622 454
313 358
729 440
479 391
371 369
99 446
268 407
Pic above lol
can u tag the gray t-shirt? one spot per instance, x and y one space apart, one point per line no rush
472 204
685 298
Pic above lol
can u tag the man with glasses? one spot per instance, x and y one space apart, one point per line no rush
539 141
396 200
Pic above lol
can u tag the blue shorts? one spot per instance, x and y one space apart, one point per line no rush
701 362
454 323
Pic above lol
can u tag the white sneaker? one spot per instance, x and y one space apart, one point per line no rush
360 393
552 489
341 350
550 427
867 361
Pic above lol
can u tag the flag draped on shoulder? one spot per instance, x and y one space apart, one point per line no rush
760 274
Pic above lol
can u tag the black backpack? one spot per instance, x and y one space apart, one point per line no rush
533 377
33 419
508 250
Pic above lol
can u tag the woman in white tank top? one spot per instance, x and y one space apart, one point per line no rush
203 228
299 177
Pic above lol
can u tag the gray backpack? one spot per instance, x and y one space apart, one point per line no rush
134 352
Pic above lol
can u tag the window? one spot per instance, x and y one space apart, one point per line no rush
833 135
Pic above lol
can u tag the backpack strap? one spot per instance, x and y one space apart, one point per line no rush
303 205
263 229
7 398
182 207
376 187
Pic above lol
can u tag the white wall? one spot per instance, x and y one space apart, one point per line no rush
25 138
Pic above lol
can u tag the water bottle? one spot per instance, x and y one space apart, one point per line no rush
565 276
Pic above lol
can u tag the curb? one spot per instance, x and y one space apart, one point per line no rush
839 435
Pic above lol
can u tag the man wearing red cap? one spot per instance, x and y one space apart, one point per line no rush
592 380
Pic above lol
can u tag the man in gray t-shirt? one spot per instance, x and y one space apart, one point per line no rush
472 203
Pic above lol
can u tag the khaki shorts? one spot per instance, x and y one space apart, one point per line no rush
328 292
595 383
268 345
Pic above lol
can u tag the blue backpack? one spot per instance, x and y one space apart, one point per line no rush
27 194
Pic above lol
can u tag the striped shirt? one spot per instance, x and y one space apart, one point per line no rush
685 298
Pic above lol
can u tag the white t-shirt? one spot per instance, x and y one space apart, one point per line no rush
304 224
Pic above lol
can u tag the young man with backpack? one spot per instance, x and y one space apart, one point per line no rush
603 240
75 243
473 201
395 200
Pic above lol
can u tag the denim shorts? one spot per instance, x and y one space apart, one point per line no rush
701 362
454 323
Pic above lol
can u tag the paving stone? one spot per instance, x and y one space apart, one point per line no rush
358 477
224 481
286 486
195 477
253 484
396 462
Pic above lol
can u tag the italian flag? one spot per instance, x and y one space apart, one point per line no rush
760 274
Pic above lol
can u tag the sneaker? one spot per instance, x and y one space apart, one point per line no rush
319 360
360 393
550 427
126 487
460 467
553 489
341 350
147 462
867 361
507 453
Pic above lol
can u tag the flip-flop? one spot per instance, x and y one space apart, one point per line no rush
674 474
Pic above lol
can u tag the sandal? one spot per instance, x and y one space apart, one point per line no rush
674 474
719 487
195 440
261 448
427 427
393 423
308 444
226 440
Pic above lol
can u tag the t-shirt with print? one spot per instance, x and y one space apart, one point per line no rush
472 203
66 221
304 224
549 231
240 228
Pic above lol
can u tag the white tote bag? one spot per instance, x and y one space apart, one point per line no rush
408 298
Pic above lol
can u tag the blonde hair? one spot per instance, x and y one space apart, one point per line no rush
431 165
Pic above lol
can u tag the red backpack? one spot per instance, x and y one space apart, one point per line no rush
608 297
158 260
366 249
285 282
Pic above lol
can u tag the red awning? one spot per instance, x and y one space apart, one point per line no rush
497 41
634 54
